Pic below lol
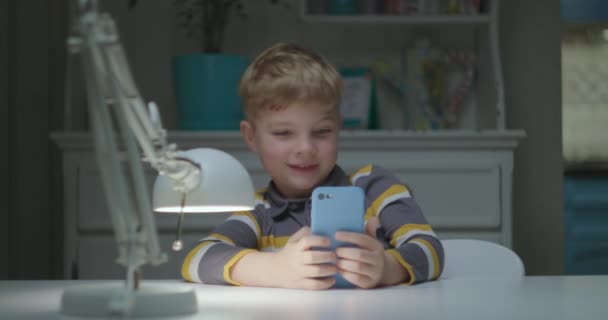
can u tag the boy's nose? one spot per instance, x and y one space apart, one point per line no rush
305 146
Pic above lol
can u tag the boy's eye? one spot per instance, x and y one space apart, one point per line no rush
281 133
323 131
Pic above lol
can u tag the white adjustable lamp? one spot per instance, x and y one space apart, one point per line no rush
199 180
222 182
225 186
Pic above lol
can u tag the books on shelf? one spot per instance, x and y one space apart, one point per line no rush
395 7
435 86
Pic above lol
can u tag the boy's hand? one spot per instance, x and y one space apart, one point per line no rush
363 266
299 266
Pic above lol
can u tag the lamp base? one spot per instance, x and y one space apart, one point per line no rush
150 300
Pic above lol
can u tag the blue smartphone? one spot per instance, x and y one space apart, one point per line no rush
337 209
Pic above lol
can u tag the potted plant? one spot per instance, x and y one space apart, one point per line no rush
206 83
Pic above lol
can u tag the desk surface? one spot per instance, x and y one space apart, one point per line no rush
559 297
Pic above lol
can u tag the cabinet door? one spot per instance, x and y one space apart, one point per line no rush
454 190
96 255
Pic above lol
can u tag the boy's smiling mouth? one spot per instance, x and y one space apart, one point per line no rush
304 168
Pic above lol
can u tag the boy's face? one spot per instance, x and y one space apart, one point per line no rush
297 145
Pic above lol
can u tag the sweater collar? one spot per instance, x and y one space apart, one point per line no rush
280 205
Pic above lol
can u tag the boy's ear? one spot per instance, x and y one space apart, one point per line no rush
247 132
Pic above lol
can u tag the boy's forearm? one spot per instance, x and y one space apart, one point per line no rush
394 272
259 269
256 269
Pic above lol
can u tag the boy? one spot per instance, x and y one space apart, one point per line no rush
291 98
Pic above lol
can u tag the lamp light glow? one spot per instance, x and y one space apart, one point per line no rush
201 209
224 186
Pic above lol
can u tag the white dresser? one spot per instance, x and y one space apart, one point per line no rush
461 179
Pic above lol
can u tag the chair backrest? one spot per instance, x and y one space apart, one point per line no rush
469 257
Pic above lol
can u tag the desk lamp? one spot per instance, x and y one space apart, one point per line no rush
199 180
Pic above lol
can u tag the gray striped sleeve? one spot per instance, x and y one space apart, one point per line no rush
218 256
423 257
402 221
209 262
238 232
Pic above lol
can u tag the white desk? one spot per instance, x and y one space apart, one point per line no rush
567 297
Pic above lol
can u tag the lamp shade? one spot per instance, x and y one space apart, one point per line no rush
225 186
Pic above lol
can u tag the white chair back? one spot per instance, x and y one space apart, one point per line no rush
470 258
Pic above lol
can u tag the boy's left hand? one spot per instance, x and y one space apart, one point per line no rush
362 266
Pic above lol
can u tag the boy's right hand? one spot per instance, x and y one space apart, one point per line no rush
301 267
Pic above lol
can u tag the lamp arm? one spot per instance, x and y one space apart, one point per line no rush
147 126
107 74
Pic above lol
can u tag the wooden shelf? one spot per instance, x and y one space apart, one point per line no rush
473 19
370 139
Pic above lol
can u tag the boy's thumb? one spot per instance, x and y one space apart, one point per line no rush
371 226
304 231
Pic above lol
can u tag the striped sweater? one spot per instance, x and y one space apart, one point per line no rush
404 231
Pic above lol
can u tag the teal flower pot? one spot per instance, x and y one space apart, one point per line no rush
206 91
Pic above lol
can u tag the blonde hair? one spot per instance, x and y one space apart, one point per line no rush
286 73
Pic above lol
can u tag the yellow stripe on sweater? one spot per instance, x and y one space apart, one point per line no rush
259 193
379 203
402 262
406 228
220 237
231 263
431 249
273 242
361 172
